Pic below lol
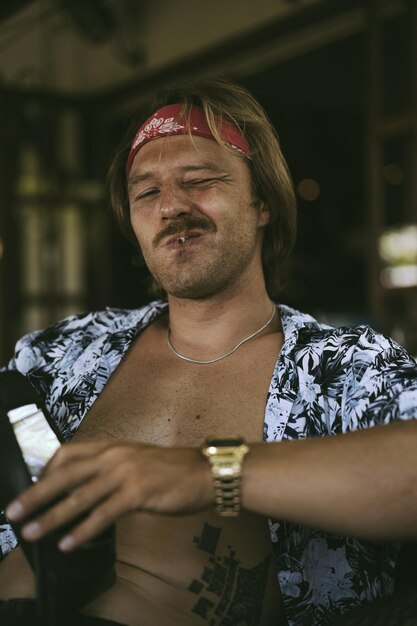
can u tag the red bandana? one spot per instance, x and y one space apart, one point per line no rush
166 121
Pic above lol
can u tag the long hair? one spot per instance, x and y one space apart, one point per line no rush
271 180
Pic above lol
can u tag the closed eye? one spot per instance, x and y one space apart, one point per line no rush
147 193
202 182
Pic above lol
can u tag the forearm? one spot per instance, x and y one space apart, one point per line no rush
362 484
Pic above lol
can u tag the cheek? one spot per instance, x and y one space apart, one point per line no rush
139 224
140 234
132 219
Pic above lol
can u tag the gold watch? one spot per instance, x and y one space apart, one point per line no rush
225 456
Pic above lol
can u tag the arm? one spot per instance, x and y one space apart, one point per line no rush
362 483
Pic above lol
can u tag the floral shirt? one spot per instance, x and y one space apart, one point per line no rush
326 381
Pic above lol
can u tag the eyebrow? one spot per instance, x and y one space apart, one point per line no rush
208 166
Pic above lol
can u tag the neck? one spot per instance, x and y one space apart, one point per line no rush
204 329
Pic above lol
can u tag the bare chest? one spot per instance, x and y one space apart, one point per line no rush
172 570
156 398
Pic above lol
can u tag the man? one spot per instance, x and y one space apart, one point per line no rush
204 190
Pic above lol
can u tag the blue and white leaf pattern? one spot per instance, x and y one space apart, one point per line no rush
326 381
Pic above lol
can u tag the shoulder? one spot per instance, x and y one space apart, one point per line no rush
347 357
354 345
94 322
358 348
77 333
354 375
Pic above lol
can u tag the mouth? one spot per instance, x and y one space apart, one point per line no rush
184 239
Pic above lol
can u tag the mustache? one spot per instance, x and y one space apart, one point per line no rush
180 225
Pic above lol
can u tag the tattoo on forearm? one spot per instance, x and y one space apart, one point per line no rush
228 594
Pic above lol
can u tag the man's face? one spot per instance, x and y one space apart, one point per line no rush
198 191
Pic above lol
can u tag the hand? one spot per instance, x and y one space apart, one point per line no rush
107 479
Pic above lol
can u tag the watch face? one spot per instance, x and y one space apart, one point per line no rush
221 443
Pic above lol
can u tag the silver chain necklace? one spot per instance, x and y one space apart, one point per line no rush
219 358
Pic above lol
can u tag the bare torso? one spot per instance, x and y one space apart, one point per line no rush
199 569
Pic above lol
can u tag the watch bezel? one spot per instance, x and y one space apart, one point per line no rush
224 442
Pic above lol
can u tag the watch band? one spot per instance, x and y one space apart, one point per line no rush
225 457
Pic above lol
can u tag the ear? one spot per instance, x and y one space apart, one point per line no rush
264 214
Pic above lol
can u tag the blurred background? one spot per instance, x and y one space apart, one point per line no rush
338 78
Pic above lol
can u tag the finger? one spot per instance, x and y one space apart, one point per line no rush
76 451
70 508
100 518
48 489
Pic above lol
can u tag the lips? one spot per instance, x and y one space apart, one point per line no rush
181 239
190 228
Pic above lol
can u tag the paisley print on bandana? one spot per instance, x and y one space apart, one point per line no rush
159 126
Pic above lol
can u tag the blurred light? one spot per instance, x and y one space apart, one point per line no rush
308 189
393 174
398 246
1 249
401 276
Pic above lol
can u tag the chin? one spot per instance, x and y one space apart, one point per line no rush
191 289
200 290
201 282
190 292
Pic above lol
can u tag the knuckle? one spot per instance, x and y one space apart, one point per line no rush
62 452
112 453
122 461
132 494
74 499
60 456
101 516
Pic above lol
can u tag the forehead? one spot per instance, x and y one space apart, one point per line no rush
182 151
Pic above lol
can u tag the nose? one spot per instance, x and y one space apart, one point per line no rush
173 202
